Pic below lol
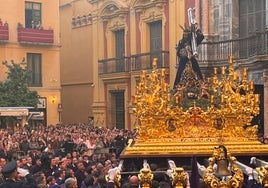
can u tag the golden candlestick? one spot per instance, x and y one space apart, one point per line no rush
223 71
245 73
146 177
179 178
230 59
215 71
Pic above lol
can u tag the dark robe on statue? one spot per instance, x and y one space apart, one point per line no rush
184 53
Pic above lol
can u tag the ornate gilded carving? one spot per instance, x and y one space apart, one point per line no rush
164 126
179 178
263 175
145 176
222 176
160 111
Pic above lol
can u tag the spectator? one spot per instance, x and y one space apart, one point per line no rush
68 146
42 143
11 175
98 145
51 182
70 183
69 173
40 178
251 182
91 145
6 148
134 181
73 163
1 22
38 25
33 144
3 162
60 176
24 144
29 163
80 173
37 167
91 181
22 172
33 25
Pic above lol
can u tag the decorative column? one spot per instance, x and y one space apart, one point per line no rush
265 111
204 16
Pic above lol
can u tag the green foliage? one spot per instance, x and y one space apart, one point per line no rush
14 91
189 97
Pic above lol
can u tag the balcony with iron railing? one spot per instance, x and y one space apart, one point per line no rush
240 49
216 52
41 36
135 62
4 35
114 65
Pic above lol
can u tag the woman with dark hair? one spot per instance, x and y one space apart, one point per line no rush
33 144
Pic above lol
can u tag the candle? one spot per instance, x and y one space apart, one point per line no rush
230 59
235 76
163 72
222 99
154 63
164 86
245 74
223 70
168 97
143 75
257 98
177 99
215 70
212 99
135 100
214 80
251 86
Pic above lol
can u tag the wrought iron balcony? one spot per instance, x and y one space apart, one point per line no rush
242 48
216 52
144 60
114 65
133 63
28 35
4 35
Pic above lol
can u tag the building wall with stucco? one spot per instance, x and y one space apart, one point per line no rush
13 12
87 37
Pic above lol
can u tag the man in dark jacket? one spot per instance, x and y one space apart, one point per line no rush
68 146
12 179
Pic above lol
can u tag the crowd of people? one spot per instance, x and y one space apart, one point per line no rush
71 156
53 154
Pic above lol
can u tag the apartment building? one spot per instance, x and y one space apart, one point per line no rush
30 36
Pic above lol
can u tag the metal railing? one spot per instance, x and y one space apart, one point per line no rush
114 65
242 48
133 63
144 61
